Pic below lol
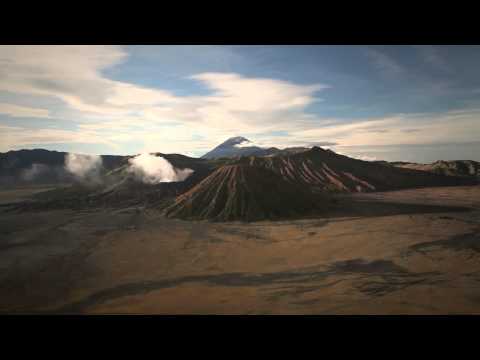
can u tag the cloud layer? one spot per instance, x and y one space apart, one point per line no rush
112 112
84 106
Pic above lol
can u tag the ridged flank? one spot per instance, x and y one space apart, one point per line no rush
243 192
323 170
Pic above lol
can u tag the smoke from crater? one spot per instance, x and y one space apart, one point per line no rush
153 169
84 167
33 172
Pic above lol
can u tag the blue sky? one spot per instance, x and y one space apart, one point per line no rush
415 103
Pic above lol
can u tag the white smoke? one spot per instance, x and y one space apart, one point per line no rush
356 156
33 171
245 143
83 166
153 169
270 144
366 158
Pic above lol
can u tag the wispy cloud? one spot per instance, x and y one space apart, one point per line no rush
118 111
233 92
16 137
113 113
429 128
386 64
23 111
431 55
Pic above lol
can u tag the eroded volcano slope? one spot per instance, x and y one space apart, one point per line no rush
245 192
324 170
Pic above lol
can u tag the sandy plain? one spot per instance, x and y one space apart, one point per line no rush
402 252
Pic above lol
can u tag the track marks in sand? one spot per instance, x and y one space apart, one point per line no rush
469 242
372 278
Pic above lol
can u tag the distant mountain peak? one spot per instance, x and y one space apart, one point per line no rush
233 147
237 139
239 146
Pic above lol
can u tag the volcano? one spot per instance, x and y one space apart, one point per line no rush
282 184
122 188
324 170
40 166
244 192
295 184
235 147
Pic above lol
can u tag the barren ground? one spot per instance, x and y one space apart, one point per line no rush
402 252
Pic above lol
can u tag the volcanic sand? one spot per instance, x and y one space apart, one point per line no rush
402 252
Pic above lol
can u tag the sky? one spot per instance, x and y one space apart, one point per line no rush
395 103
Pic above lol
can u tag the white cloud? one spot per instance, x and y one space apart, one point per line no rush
119 111
246 143
71 73
131 95
23 111
113 112
15 137
451 127
356 156
236 93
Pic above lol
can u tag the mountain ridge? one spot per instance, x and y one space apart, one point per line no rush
259 188
247 188
231 149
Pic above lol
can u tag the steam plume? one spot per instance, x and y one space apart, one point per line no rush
153 169
34 171
83 166
246 143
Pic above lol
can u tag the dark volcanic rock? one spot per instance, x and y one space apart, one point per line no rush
40 166
284 185
244 192
324 170
120 188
